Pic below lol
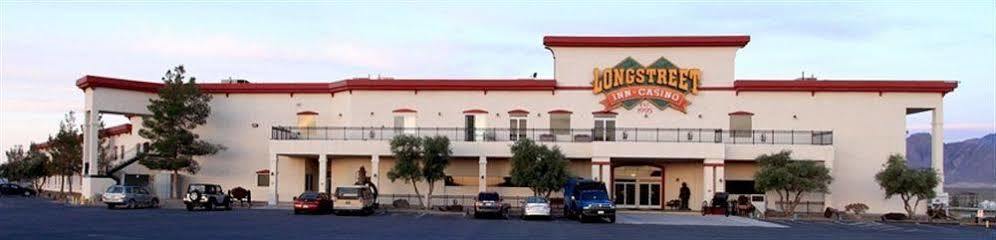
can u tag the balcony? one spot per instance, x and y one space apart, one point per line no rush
668 135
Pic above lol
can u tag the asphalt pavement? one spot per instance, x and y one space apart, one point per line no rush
38 218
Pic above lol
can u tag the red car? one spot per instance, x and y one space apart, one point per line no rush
313 202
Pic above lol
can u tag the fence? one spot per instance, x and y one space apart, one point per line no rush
693 135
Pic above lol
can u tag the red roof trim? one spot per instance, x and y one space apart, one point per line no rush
519 85
106 132
603 112
263 171
647 41
741 113
115 130
474 111
307 113
560 111
518 111
844 86
90 81
404 110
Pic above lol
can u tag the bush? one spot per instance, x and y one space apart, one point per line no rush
856 208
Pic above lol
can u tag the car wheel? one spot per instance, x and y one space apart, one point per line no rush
296 212
154 203
612 219
190 207
27 194
132 204
209 205
110 206
228 205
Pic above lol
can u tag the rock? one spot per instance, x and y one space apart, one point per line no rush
401 203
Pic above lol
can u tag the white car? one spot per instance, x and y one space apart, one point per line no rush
536 207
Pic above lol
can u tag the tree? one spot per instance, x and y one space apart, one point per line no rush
12 169
406 149
37 167
542 169
178 110
790 178
66 149
910 184
436 153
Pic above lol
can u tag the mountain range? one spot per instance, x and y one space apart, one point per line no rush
967 164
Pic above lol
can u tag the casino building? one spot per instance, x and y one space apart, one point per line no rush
642 114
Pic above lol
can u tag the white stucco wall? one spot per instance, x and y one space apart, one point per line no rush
867 127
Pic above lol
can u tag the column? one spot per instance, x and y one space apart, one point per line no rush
323 166
712 173
601 169
720 172
91 127
827 196
937 145
273 180
482 168
375 169
596 171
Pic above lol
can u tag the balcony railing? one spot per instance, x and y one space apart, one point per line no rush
690 135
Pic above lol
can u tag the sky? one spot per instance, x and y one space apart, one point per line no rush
45 47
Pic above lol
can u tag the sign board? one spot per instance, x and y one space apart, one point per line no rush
661 83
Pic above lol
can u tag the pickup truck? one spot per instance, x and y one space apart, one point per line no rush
588 199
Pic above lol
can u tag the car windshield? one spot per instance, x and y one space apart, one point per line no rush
115 189
487 197
535 199
347 192
308 196
594 195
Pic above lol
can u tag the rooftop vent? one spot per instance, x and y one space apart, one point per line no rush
231 80
804 78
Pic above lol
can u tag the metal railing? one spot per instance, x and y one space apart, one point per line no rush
678 135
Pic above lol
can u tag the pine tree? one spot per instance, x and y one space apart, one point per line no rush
179 108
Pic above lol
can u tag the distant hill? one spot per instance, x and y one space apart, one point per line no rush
969 163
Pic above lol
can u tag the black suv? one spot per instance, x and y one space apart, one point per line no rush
208 196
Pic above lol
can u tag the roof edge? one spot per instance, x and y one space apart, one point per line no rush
647 41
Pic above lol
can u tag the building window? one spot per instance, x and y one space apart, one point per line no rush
740 124
263 179
404 123
114 153
476 126
306 123
122 152
605 129
560 122
517 128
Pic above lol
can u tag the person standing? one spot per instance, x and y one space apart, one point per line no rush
684 194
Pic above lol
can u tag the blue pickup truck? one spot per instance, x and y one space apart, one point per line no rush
588 200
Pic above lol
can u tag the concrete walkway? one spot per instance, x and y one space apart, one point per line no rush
628 217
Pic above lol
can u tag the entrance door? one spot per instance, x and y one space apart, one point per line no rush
637 187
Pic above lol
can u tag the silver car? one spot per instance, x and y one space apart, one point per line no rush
536 207
129 196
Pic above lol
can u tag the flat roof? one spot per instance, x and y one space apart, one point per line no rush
646 41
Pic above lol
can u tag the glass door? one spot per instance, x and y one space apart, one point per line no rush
469 128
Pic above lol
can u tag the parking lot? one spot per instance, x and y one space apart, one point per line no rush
37 218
